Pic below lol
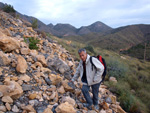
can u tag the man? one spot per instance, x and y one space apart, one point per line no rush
90 78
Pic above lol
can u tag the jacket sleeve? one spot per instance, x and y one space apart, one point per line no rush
77 73
99 68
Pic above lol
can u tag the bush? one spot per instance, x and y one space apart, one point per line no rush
116 68
127 100
34 23
32 42
9 9
90 48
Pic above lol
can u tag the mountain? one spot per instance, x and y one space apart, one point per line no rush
62 30
96 27
99 27
121 38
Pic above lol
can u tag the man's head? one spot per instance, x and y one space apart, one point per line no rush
82 54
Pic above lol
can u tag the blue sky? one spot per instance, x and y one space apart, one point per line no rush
114 13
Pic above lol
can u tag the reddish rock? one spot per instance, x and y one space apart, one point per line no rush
7 99
65 108
24 51
4 60
12 89
21 65
41 59
8 44
47 110
61 90
56 79
69 100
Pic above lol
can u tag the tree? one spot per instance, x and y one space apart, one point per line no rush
9 9
34 23
32 42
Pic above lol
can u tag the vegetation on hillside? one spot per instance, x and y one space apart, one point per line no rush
34 23
132 89
32 42
116 39
139 51
9 9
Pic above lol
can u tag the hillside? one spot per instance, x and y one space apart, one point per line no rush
139 51
37 80
133 76
117 39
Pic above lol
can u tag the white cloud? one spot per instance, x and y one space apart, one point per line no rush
114 13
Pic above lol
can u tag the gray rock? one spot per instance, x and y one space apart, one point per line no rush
108 100
48 81
15 109
59 65
26 87
46 55
41 109
1 94
91 111
23 100
1 79
45 43
71 84
33 102
1 61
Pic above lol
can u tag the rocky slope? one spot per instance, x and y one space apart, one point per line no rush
37 81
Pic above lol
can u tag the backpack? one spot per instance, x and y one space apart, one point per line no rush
102 60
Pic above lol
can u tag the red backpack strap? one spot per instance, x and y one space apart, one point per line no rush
100 59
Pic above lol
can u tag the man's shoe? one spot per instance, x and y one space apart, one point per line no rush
87 106
96 107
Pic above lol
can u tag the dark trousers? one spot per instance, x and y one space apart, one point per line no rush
95 91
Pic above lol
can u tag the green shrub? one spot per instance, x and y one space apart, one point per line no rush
128 101
34 23
90 48
116 68
32 42
9 9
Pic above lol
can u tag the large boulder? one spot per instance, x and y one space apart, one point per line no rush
41 59
8 44
24 51
12 89
55 79
4 60
21 65
113 79
67 86
47 110
65 108
117 108
69 100
61 66
7 99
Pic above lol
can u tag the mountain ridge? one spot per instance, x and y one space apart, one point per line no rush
60 32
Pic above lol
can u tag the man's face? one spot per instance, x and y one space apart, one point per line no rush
83 56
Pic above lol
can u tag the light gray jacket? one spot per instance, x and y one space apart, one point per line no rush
93 77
